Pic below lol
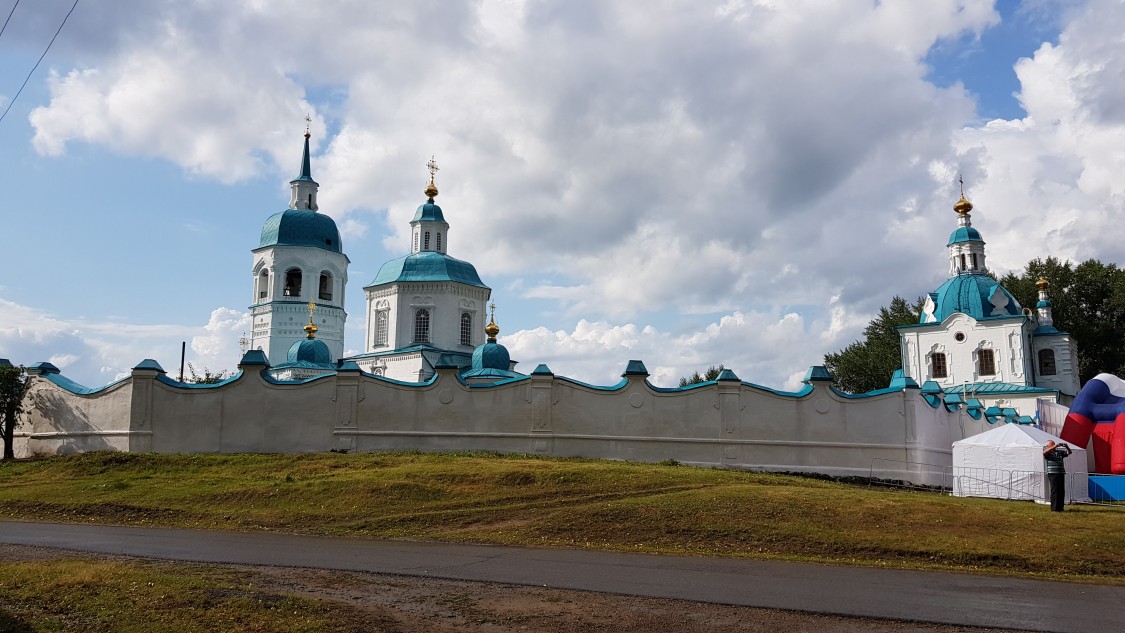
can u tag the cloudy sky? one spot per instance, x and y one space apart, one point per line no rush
686 183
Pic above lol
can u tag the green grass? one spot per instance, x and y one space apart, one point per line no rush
75 594
523 500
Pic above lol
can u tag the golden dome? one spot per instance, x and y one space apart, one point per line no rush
431 189
492 330
963 206
310 329
1042 284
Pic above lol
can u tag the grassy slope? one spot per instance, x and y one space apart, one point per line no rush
570 503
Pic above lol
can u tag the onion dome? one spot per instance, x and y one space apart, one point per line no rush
491 355
309 350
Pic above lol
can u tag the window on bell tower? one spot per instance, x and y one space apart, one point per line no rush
382 318
292 282
1047 362
439 241
264 284
426 242
325 293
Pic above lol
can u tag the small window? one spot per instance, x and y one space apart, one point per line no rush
415 242
426 242
940 369
466 327
422 326
973 257
986 362
959 337
325 287
381 320
1046 362
439 240
963 261
292 282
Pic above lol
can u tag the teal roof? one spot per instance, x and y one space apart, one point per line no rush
429 212
301 227
987 388
965 234
428 266
1043 303
306 165
971 294
309 350
491 355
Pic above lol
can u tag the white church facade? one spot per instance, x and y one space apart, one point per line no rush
973 337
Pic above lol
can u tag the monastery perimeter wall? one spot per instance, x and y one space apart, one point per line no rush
891 434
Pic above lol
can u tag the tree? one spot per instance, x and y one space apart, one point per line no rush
1088 301
207 378
868 364
712 373
13 387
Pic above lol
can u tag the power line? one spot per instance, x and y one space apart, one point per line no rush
28 78
9 17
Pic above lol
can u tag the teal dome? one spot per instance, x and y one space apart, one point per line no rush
491 355
301 227
428 266
429 212
972 294
309 350
965 234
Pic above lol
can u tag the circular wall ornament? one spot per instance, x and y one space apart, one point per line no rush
959 337
636 400
823 405
445 395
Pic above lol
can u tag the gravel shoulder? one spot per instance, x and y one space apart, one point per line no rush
405 604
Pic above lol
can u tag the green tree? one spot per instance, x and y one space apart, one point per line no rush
1088 301
13 387
207 377
868 364
695 378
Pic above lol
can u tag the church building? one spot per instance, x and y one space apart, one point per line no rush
974 339
424 310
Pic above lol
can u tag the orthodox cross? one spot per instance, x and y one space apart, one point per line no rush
493 315
432 166
961 179
308 122
312 308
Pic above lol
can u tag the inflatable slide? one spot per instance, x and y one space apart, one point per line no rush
1098 412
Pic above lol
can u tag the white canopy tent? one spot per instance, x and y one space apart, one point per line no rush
1007 463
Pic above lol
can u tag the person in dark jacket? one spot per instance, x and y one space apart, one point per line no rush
1055 456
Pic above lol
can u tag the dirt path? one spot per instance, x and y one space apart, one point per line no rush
401 604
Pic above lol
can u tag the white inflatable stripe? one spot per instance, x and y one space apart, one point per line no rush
1115 384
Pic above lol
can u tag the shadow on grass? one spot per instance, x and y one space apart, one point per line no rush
13 624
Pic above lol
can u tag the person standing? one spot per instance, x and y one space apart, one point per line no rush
1055 455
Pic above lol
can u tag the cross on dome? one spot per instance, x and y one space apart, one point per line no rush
431 189
311 328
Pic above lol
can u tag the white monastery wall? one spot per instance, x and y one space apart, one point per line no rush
890 435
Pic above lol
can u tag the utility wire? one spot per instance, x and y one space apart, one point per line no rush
9 17
28 78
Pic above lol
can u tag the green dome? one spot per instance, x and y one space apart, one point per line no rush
428 266
972 294
491 355
964 234
309 350
429 212
301 227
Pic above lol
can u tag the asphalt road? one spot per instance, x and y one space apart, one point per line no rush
940 597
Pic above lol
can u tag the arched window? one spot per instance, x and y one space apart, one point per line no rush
973 257
426 242
381 320
940 368
264 284
963 261
466 327
422 326
415 242
1046 362
292 282
325 287
986 362
439 241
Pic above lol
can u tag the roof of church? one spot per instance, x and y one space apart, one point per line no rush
964 234
301 227
309 350
491 355
428 212
428 266
972 294
995 388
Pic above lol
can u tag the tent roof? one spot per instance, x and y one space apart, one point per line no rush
1013 435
